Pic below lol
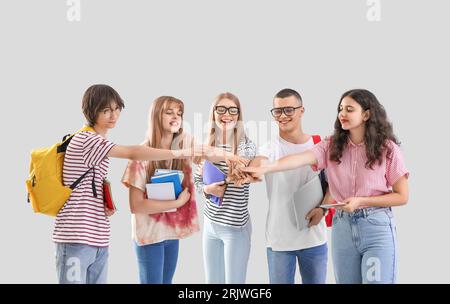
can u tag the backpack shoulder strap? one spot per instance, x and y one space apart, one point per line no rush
86 128
67 138
316 139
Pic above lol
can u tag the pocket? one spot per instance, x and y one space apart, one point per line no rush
380 218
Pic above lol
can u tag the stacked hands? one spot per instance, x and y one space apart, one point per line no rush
239 172
236 164
242 171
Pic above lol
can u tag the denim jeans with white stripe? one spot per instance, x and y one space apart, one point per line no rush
364 246
81 264
226 251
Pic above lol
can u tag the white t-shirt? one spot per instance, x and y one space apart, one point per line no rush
281 231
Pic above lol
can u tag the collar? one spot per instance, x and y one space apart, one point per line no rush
352 144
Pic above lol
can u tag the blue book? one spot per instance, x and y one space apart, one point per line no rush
167 171
212 174
173 178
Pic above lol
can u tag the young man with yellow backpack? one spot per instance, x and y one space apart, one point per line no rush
66 181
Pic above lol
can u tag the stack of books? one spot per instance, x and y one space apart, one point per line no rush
165 185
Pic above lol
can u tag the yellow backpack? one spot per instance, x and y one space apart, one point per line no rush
45 186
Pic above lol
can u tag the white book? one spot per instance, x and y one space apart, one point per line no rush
161 192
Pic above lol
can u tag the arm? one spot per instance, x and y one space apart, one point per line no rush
259 161
147 153
139 204
216 155
283 164
315 215
239 180
198 179
327 199
398 197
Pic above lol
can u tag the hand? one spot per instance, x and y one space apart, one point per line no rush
246 180
109 212
315 216
235 159
352 203
256 172
235 173
183 198
235 164
216 189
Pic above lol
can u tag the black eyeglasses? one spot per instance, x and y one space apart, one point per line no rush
222 110
288 111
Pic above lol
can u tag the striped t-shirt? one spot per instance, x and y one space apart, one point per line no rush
234 208
82 219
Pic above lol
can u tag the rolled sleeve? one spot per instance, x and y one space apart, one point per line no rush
395 165
135 175
320 151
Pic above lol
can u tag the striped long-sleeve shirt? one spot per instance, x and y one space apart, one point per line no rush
234 208
82 219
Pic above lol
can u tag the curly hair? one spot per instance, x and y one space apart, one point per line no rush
378 129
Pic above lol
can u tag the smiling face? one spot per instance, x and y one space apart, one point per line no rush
172 118
226 121
351 115
107 117
288 123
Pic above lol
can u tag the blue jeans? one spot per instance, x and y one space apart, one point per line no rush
364 246
81 264
312 263
157 262
225 252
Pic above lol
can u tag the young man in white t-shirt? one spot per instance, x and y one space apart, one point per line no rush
285 243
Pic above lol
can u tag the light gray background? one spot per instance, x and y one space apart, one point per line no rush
196 49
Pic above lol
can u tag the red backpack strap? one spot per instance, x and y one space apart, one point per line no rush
329 217
331 211
316 139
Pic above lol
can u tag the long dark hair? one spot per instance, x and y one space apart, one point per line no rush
377 134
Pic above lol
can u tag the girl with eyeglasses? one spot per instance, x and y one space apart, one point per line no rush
227 226
366 172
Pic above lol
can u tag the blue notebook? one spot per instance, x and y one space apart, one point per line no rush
173 177
212 174
167 171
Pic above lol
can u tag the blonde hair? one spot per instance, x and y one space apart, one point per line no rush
238 131
155 131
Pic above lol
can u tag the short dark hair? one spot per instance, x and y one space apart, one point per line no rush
284 93
96 98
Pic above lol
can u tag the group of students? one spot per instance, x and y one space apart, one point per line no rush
364 166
